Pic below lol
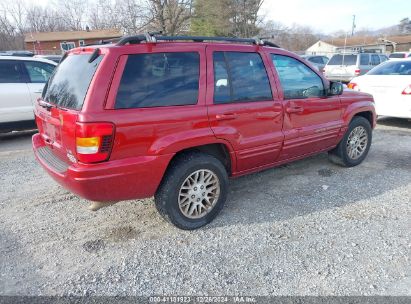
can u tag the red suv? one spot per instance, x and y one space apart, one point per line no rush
175 117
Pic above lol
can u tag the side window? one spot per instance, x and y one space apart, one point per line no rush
158 80
316 60
297 80
240 77
10 71
325 59
364 59
38 72
375 60
222 87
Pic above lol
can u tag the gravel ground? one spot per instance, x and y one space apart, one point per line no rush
307 228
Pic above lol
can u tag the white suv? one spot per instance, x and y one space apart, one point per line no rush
21 82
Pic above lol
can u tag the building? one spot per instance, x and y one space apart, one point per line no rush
321 48
365 44
59 42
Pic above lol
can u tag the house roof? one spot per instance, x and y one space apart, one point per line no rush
72 35
368 40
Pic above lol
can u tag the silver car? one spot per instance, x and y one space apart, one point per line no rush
318 61
344 67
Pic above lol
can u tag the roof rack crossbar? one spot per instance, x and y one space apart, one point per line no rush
132 39
154 37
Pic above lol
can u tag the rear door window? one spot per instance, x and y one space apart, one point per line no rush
158 80
240 77
364 59
69 84
375 60
340 59
10 71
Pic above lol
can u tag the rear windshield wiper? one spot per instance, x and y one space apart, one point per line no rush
45 105
94 55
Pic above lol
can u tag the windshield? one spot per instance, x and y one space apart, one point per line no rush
397 55
343 60
68 85
392 68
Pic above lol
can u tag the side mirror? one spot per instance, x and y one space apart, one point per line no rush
336 88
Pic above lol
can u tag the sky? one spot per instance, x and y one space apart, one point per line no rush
328 16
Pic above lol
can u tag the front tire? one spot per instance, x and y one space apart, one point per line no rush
193 191
354 146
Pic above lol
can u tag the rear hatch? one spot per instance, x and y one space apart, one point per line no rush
62 100
341 66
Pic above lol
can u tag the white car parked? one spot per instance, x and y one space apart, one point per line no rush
390 84
21 82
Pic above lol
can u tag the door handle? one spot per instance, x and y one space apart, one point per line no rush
295 110
39 92
226 116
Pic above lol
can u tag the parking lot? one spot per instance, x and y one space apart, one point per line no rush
307 228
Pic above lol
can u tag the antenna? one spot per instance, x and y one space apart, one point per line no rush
353 25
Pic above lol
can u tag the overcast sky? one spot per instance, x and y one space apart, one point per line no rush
328 16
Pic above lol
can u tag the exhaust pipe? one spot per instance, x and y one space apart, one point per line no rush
94 206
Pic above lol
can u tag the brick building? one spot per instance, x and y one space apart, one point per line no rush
59 42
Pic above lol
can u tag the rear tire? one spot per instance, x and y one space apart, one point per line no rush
354 146
193 190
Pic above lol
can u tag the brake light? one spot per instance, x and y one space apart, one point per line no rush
94 141
357 72
407 90
353 86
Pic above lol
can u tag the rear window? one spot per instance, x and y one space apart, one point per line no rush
69 83
392 68
397 55
343 60
158 80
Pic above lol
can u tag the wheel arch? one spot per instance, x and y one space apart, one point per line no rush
220 151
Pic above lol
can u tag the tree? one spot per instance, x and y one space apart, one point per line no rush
169 16
405 26
212 18
39 19
294 38
72 13
237 18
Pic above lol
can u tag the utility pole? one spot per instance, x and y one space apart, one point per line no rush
353 25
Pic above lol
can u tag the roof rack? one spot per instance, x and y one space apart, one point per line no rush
154 37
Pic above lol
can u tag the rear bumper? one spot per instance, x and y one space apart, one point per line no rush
339 78
110 181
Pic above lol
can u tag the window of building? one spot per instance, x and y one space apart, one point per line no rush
66 46
81 43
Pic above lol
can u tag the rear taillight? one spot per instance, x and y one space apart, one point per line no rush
94 141
407 90
357 72
353 86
